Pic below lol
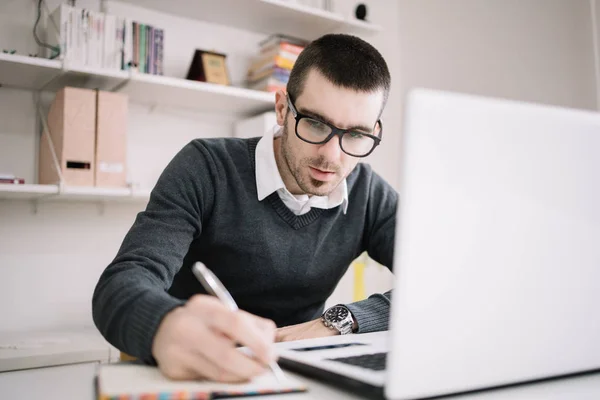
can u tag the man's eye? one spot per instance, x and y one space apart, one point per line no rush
314 123
356 135
317 125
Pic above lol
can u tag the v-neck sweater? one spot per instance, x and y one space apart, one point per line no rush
275 264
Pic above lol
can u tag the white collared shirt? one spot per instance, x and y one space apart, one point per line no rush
268 180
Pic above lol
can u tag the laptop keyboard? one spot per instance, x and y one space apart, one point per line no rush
374 361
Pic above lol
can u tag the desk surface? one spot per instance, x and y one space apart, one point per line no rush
75 382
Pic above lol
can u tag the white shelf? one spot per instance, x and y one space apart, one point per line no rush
263 16
154 90
71 193
173 92
164 91
10 191
27 72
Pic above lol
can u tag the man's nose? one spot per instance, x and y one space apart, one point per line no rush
331 150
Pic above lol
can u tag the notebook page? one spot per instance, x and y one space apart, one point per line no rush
133 380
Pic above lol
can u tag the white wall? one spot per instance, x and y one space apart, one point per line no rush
532 50
537 50
595 17
50 260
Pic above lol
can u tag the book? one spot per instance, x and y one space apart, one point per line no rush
128 43
61 20
280 73
268 84
99 40
142 33
283 46
277 61
159 38
271 55
12 181
277 38
128 381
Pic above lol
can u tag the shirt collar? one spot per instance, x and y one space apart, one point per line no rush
268 178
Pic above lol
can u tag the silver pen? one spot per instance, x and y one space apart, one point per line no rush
213 285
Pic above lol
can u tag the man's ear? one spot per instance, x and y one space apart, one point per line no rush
281 107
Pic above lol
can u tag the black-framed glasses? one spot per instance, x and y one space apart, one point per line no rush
355 143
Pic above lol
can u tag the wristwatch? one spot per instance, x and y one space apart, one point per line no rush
339 318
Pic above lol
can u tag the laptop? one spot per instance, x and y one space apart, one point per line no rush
497 255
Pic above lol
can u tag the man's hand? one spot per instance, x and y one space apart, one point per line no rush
198 341
306 330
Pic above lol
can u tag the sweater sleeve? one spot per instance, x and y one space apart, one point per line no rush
372 314
130 298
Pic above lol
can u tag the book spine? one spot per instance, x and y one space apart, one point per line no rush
79 37
128 45
14 181
135 45
99 40
77 16
159 51
148 40
142 48
151 50
120 57
107 48
123 57
87 38
70 16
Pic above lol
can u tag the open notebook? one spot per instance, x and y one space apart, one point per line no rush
130 381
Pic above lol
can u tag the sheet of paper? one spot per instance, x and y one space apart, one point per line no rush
134 380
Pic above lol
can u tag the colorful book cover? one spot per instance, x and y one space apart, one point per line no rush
129 381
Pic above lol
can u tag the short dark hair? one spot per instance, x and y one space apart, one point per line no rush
346 61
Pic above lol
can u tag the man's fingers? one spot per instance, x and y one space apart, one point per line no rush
221 352
236 325
266 326
194 366
198 341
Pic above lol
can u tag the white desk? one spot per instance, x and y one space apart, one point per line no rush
76 382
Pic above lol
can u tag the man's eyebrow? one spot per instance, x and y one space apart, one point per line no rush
316 115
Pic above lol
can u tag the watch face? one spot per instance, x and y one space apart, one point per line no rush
336 314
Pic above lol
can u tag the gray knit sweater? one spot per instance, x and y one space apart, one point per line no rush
275 264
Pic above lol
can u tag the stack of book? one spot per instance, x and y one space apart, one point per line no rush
270 70
98 40
10 178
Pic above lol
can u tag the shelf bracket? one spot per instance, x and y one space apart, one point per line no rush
36 202
60 74
122 84
101 208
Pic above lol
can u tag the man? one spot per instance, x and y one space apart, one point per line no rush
278 220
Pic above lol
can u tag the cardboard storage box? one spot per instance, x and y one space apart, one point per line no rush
111 140
72 124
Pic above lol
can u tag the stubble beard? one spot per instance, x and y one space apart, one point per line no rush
309 186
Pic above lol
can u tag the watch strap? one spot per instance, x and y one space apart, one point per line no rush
343 327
